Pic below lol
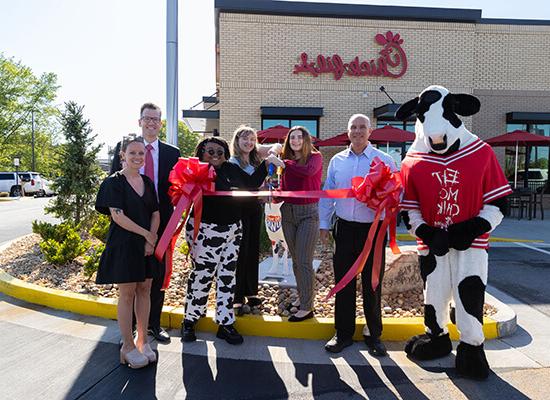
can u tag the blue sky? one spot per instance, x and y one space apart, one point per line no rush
109 55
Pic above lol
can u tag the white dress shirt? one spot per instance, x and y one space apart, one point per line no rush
342 167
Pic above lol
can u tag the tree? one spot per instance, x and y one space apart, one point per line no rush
187 140
80 173
23 94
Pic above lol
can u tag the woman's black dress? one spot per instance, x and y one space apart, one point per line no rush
123 260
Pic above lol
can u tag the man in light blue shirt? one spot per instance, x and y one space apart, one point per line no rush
353 221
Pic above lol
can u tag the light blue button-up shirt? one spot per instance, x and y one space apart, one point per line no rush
342 167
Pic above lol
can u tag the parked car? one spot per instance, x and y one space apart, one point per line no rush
537 178
10 184
28 183
47 188
32 183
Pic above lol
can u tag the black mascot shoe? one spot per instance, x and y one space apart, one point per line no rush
229 334
188 331
427 347
436 239
471 361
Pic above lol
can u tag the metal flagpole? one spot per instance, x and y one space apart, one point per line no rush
172 72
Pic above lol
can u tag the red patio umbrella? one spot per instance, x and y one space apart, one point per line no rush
518 138
273 134
391 134
338 140
387 134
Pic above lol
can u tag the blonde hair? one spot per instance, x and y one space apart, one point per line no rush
253 157
307 145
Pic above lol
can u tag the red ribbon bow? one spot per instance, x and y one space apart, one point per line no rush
380 190
189 179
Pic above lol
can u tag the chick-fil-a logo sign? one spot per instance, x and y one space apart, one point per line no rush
392 61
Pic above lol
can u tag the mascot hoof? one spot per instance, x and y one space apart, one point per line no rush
427 347
471 361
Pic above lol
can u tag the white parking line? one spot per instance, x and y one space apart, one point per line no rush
532 247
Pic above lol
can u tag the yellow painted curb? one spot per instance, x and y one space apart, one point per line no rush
395 329
405 237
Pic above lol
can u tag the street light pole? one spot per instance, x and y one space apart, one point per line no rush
32 140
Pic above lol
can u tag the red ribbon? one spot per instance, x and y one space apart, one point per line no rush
189 179
379 190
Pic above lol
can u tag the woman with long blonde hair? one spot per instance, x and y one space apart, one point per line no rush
300 217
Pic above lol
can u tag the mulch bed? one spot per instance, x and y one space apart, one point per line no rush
23 259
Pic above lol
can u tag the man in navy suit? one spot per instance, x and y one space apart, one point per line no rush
162 157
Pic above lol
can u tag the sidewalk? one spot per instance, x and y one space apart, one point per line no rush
68 356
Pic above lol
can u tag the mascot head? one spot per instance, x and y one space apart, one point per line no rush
438 128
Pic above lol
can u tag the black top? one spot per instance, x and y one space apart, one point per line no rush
168 157
225 210
123 259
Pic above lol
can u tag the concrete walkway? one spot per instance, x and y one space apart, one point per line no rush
50 354
53 354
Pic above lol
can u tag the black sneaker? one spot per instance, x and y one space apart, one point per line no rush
375 346
336 345
188 331
229 334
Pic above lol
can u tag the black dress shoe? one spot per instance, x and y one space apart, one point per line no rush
159 334
229 334
188 331
375 346
294 318
254 301
336 345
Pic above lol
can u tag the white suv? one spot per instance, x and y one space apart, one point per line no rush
32 183
28 183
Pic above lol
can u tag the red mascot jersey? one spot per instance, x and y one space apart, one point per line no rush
453 188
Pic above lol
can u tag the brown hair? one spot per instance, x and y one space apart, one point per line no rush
253 157
307 146
130 138
149 106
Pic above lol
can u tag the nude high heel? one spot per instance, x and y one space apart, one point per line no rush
149 353
134 359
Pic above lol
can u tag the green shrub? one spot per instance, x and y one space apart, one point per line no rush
63 245
47 231
100 228
184 248
92 261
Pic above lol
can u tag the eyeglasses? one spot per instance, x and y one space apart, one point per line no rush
212 152
150 119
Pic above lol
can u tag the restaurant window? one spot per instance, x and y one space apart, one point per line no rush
536 158
310 123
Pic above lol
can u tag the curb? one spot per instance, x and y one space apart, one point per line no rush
395 329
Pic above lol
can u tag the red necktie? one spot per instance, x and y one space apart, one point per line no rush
149 165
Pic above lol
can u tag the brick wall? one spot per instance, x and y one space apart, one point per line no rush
505 65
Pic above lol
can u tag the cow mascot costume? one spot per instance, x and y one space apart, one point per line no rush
454 197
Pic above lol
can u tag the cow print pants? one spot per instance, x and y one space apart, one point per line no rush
460 276
214 252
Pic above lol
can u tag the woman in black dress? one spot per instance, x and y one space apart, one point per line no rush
215 251
131 201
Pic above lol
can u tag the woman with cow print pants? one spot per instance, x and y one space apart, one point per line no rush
215 251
